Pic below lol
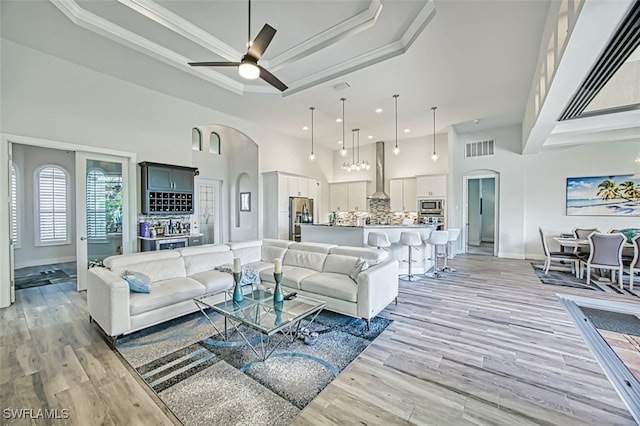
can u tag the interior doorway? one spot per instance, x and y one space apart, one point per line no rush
208 208
481 218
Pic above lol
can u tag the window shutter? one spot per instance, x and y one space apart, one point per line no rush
96 205
52 203
14 206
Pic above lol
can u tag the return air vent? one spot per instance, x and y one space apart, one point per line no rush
479 149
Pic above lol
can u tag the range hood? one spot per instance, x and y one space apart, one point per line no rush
379 194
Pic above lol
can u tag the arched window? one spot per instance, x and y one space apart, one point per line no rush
51 205
214 143
14 207
196 139
96 205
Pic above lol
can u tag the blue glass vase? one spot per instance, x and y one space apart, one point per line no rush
277 292
237 289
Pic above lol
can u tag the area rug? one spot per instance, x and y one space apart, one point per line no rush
613 321
205 380
39 278
563 278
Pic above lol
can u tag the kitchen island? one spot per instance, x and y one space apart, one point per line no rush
358 235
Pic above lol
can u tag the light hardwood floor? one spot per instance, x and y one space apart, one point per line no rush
489 344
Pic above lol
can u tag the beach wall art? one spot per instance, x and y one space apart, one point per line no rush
604 195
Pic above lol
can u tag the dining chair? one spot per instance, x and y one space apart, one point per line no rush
605 253
557 256
634 266
582 234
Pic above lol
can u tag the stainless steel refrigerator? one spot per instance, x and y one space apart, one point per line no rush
300 211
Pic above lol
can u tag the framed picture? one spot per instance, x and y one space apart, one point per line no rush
604 195
245 201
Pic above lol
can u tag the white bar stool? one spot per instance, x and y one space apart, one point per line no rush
436 239
454 233
379 240
411 240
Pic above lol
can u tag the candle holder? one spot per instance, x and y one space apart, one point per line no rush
237 290
277 291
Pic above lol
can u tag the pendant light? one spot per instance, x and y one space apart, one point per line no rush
396 150
434 156
312 156
343 150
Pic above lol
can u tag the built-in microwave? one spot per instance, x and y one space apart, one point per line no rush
431 206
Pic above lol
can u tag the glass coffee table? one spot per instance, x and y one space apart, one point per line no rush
259 312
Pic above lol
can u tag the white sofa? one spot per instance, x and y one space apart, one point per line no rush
177 276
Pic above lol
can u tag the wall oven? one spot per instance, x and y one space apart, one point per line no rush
431 207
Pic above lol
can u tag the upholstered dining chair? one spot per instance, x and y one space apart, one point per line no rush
605 253
582 234
634 266
557 256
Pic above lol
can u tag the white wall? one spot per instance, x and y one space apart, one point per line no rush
510 164
545 188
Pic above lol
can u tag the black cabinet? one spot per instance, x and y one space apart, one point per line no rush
166 189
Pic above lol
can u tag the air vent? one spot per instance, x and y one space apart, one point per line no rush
479 149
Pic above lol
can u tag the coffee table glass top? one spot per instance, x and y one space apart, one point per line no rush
258 310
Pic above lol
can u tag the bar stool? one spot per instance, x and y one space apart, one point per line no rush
436 239
454 233
411 240
379 240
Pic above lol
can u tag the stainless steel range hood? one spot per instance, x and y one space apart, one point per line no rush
379 194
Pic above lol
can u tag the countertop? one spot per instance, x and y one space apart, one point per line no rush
169 237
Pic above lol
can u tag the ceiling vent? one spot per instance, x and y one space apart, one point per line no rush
479 149
341 86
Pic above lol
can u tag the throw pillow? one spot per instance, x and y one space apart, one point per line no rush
629 233
249 274
138 282
360 266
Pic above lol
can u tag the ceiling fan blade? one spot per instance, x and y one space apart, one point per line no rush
214 64
261 42
272 79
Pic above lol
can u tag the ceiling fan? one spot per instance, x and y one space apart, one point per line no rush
248 67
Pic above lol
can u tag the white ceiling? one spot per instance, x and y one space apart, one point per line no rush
474 59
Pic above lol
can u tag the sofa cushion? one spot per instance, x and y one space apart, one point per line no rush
291 275
312 247
214 281
247 251
330 284
277 243
205 248
269 253
339 264
165 293
156 269
260 266
206 261
371 255
304 259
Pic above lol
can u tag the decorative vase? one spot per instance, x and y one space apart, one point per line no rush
277 306
277 292
237 290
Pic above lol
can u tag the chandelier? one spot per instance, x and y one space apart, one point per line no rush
355 165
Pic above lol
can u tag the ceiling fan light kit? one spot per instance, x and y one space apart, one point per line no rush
248 67
312 156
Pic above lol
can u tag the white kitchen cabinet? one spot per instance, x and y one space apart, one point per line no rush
298 186
348 196
339 197
314 194
358 197
431 186
403 194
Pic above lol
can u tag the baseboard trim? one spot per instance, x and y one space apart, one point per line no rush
37 262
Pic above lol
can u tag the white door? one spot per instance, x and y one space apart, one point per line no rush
208 214
13 226
102 210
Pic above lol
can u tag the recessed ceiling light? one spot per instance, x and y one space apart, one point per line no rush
339 142
338 120
379 110
370 137
476 121
305 128
407 130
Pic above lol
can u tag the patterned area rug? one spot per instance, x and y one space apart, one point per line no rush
205 380
36 276
566 278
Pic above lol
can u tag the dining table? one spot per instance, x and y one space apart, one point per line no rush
573 242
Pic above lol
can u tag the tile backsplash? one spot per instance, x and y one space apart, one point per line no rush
179 224
379 214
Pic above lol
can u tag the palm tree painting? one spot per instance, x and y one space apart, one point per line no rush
604 196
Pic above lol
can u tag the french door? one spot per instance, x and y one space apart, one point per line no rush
208 214
102 210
